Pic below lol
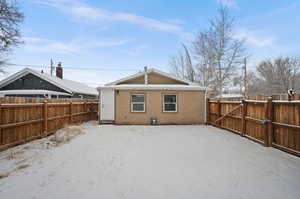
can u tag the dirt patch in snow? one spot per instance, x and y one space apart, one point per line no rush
4 175
22 156
65 135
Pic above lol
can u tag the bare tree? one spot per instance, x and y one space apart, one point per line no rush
218 50
10 19
205 57
278 75
182 66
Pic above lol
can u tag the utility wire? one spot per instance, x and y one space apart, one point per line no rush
74 68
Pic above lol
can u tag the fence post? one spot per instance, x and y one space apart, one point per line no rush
219 112
269 125
244 113
207 111
45 117
85 110
71 112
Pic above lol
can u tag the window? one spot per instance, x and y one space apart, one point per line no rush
138 103
170 103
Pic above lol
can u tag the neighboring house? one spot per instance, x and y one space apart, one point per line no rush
152 97
31 83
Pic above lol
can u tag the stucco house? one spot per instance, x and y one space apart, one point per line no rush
32 83
152 97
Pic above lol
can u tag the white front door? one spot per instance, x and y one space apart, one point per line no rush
107 109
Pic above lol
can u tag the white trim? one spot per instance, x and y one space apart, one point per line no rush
155 87
143 73
169 103
131 103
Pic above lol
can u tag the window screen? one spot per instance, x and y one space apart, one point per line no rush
138 103
170 103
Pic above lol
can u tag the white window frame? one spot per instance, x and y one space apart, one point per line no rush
169 103
133 111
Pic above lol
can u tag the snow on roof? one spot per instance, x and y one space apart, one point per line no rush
75 87
31 92
148 71
68 85
154 87
229 96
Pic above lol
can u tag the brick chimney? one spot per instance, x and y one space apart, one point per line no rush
59 71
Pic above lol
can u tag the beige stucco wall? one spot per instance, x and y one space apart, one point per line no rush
190 108
153 78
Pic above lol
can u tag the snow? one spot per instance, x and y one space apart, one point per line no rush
286 101
230 95
32 91
136 162
154 87
75 87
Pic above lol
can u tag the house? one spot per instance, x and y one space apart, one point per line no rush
152 97
31 83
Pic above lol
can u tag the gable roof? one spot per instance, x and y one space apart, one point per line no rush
152 70
67 85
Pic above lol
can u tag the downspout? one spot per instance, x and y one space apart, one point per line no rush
146 75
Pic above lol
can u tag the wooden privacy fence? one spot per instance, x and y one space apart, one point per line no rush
272 123
22 122
262 97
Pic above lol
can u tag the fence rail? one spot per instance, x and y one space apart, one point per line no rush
273 123
21 122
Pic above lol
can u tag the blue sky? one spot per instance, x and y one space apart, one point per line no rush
122 37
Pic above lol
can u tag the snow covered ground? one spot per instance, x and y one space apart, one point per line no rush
137 162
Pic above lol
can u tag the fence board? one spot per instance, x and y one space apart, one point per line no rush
25 119
272 123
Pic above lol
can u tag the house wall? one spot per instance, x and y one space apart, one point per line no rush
190 108
153 78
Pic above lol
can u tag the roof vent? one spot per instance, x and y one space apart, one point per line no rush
146 74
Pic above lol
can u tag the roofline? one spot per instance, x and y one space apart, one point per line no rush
149 71
153 87
33 91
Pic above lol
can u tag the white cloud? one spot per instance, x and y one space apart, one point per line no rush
83 11
254 38
228 3
37 44
136 50
34 39
176 21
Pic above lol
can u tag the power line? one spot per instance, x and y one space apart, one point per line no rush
74 68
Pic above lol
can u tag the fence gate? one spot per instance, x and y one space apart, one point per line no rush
271 123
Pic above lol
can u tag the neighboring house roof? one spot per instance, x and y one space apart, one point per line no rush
67 85
31 92
154 87
148 71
